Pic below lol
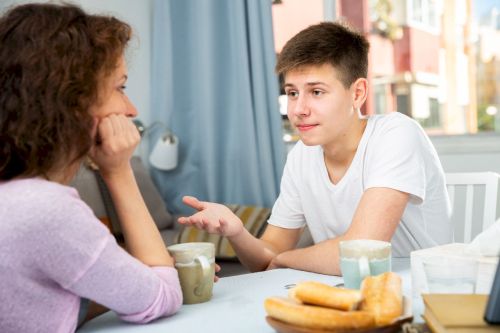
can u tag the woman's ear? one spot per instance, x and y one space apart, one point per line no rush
359 92
95 131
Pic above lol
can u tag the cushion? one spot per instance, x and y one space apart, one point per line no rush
86 183
254 219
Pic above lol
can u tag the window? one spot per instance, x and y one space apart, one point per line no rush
434 60
402 104
423 13
433 120
380 99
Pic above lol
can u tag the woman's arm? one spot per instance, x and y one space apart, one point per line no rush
118 139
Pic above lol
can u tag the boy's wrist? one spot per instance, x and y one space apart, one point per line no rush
239 234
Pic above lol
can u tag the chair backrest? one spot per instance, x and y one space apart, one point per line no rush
473 197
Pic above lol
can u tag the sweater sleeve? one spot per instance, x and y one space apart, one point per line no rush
78 252
167 301
136 292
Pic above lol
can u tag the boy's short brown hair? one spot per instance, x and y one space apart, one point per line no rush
327 43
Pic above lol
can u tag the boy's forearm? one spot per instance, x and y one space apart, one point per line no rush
320 258
254 253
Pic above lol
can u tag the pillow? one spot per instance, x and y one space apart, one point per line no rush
254 219
86 182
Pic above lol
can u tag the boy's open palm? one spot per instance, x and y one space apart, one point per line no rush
212 217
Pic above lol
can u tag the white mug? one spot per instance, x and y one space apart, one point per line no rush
195 264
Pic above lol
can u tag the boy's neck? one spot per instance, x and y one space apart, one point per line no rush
339 155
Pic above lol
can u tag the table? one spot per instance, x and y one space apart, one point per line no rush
237 304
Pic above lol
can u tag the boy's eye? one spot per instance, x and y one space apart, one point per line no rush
317 92
292 93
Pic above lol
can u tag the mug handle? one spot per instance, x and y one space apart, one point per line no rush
364 267
205 267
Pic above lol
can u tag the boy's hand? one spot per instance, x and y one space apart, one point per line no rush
212 217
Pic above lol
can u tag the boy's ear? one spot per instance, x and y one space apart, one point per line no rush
359 92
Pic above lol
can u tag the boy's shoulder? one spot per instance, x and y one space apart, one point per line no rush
393 120
392 117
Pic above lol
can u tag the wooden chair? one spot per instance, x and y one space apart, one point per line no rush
473 197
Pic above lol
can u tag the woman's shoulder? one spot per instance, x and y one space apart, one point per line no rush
38 191
42 201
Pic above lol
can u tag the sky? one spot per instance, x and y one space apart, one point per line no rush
483 7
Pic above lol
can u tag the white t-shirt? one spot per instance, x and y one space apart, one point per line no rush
394 152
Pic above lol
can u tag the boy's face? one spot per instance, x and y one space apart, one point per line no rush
319 106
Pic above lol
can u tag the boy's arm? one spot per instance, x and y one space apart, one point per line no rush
256 254
377 217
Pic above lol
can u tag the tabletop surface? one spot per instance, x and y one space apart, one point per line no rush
237 304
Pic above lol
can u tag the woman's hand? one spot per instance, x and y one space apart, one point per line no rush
212 217
217 270
116 139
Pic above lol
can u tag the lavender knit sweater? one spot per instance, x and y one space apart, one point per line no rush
53 250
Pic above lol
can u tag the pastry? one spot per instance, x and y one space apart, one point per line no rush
318 293
382 296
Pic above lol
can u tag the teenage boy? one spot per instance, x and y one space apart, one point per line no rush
349 177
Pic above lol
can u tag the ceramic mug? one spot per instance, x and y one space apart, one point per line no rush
362 257
195 264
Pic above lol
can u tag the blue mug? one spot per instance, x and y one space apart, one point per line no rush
363 257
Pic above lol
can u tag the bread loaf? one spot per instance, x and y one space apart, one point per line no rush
316 317
382 296
317 293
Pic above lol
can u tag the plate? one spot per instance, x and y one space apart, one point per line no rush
407 317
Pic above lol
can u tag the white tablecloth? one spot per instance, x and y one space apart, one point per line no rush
237 304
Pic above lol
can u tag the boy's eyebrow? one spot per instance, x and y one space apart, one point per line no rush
308 83
315 83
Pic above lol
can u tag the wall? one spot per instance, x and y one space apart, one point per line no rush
464 153
138 14
290 17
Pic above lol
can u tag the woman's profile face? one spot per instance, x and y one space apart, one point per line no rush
112 97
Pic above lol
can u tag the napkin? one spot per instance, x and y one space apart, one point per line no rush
486 266
486 243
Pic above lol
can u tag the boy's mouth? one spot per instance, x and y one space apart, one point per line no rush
305 127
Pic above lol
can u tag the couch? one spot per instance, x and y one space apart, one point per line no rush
93 191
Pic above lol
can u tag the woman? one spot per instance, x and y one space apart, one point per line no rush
62 81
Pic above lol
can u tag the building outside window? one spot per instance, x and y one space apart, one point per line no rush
437 61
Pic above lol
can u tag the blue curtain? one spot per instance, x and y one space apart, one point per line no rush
215 87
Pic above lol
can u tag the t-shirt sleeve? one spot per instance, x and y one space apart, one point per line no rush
79 253
396 159
287 211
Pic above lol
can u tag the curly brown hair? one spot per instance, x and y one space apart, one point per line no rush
53 59
332 43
